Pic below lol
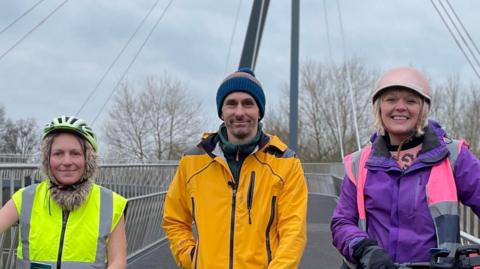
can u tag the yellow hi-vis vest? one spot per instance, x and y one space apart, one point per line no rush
79 239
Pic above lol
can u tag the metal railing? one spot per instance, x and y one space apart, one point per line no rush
145 187
323 183
143 223
132 180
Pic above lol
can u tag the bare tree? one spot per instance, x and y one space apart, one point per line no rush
175 117
447 105
325 110
127 129
276 119
471 122
20 138
457 107
156 123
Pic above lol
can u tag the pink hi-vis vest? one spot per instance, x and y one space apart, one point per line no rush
441 193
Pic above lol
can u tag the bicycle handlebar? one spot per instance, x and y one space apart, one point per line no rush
466 257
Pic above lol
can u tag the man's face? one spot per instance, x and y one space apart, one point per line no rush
240 113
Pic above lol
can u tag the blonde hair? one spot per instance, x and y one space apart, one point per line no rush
419 127
91 166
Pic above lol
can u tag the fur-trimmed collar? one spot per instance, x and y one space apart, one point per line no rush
71 198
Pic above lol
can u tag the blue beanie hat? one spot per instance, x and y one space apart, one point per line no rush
242 80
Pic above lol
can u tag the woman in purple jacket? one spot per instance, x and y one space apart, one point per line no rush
400 195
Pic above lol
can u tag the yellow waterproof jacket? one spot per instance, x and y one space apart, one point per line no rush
259 223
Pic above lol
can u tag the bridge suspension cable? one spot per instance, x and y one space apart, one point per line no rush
20 17
460 33
463 27
349 80
233 35
32 30
330 60
475 64
120 53
132 61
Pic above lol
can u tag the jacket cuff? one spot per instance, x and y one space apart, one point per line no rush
351 246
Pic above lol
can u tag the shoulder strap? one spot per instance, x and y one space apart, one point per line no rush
355 163
454 147
357 173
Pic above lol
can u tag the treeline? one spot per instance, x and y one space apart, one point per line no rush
19 139
159 119
326 121
152 122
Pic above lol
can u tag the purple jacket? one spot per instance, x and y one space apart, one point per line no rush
395 200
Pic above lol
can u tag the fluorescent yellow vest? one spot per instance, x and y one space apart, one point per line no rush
86 231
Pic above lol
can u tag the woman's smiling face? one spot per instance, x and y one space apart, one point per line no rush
400 110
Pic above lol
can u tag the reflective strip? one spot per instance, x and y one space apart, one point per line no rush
454 148
22 264
441 184
362 224
348 168
351 162
442 200
357 173
27 205
362 176
443 208
106 213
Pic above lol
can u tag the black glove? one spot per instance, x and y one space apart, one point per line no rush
370 256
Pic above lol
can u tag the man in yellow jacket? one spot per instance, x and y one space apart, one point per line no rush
243 191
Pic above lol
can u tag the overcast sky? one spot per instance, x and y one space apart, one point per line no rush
56 67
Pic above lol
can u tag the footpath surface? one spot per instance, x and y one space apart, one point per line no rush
319 252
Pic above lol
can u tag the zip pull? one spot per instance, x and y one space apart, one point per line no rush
233 184
251 188
237 157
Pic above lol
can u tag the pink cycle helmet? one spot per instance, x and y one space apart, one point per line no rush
403 77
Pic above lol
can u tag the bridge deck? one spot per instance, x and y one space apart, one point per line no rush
319 252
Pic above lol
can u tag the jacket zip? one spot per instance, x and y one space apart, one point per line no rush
269 226
195 248
234 186
417 193
65 215
250 196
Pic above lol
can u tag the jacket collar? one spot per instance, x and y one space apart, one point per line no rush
267 143
433 147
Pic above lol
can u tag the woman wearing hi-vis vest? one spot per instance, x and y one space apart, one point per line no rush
400 195
67 221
